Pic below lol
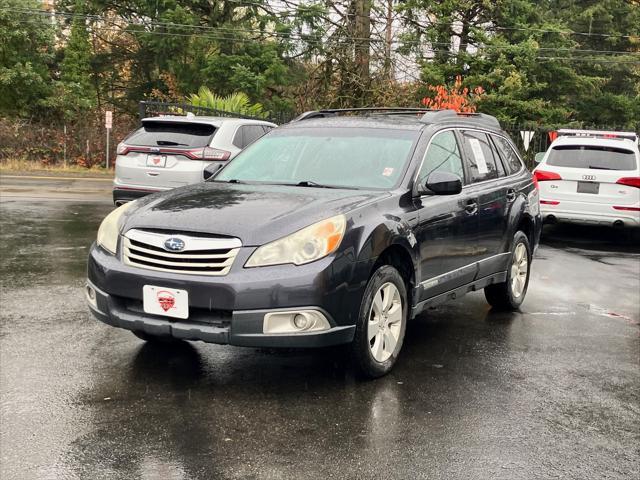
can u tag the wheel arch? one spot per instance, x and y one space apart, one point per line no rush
526 225
398 251
398 257
520 219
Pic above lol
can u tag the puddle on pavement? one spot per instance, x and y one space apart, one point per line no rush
40 241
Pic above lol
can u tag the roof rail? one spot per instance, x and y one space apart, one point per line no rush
430 116
436 116
570 132
332 112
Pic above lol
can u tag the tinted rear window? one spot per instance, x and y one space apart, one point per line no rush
480 161
172 134
587 156
509 156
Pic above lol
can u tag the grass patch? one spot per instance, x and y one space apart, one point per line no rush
19 166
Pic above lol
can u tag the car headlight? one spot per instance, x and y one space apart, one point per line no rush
110 228
304 246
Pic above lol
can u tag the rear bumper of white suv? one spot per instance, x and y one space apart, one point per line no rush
123 193
590 213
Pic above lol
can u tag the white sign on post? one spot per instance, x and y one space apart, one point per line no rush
108 123
526 135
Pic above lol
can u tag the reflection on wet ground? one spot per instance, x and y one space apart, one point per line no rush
551 391
45 243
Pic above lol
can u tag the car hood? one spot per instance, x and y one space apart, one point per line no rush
256 214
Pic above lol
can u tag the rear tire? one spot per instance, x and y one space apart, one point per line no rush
510 294
381 324
157 339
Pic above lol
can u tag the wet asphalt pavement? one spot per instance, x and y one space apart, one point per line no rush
550 392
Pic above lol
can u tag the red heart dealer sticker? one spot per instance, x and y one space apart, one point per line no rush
166 300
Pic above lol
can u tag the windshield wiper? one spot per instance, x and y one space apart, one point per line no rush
595 167
311 183
170 143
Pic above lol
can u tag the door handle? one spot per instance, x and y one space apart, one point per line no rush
152 174
511 195
471 207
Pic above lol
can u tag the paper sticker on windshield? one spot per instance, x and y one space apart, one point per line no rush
478 156
387 172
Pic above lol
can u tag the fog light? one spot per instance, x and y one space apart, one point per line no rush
299 321
91 296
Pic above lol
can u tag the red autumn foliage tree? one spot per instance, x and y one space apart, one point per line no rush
460 99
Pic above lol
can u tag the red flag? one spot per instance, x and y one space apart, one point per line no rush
553 136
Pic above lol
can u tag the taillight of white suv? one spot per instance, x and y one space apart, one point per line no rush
202 153
629 181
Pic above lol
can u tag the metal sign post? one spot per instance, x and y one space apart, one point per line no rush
64 145
108 123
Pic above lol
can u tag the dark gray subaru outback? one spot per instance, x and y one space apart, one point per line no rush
337 228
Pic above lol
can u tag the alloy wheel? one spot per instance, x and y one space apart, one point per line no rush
519 270
385 322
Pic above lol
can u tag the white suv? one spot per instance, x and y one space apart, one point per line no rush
590 177
171 151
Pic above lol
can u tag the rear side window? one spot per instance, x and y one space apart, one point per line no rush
443 155
509 157
172 134
592 156
479 158
247 134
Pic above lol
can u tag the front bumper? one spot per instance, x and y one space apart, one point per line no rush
244 328
229 309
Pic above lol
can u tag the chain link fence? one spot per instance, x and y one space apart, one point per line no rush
81 142
154 108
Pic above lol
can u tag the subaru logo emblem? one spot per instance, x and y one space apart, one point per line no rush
174 244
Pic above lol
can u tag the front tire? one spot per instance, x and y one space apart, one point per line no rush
510 294
381 324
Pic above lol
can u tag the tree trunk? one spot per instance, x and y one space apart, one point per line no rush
388 39
464 40
362 39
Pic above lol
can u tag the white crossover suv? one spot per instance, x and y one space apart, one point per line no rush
171 151
590 177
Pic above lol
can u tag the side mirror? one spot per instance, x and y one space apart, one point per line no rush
443 183
211 169
539 156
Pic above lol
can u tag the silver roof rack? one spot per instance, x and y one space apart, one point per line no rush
332 112
429 116
437 116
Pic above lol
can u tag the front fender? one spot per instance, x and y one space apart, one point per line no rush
391 231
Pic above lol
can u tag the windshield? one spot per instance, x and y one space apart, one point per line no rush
369 158
592 156
172 134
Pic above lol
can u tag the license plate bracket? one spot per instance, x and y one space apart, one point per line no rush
168 302
588 187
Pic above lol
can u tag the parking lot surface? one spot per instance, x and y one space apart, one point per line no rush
549 392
